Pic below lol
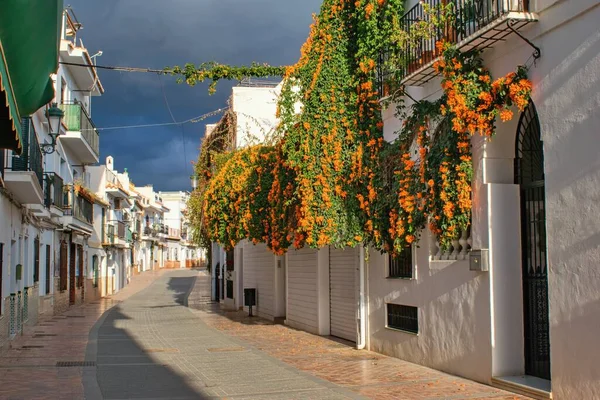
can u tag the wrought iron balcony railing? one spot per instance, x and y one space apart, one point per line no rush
461 21
31 157
121 228
78 206
77 119
53 190
109 236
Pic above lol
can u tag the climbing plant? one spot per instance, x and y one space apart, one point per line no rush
330 178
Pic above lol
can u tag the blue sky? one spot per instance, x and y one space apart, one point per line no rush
159 33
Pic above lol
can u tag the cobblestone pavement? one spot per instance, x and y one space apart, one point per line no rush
28 369
144 343
369 374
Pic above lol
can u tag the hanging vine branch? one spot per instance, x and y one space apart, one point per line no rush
214 72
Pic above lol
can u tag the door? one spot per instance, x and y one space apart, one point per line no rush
63 266
529 174
36 260
72 274
48 254
95 271
343 264
229 273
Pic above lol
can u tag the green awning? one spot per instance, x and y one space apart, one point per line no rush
29 45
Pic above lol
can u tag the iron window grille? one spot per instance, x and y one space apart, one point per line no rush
401 265
404 318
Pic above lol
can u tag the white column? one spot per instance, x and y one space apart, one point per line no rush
323 311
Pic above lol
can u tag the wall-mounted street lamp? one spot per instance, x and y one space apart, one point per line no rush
194 181
55 116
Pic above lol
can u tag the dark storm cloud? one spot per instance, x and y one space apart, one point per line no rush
158 33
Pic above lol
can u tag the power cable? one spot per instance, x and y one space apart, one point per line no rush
191 120
116 68
162 89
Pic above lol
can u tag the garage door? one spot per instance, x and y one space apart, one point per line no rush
343 291
302 289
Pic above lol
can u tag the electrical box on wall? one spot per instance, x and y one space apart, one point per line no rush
479 260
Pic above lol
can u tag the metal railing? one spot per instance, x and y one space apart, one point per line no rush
77 119
53 190
464 18
121 230
78 206
31 156
112 178
109 236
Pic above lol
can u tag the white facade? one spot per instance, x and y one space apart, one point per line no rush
42 209
473 323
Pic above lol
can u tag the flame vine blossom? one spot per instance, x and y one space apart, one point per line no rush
331 179
433 187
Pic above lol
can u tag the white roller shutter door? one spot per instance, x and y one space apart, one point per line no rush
302 289
343 291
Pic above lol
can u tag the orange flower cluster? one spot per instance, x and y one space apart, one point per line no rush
472 98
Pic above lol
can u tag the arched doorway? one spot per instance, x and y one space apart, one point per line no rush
529 175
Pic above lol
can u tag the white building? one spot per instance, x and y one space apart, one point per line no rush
254 107
46 212
115 224
154 235
529 323
182 253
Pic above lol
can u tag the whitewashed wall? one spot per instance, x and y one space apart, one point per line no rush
255 109
259 273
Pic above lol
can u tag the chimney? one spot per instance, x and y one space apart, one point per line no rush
110 163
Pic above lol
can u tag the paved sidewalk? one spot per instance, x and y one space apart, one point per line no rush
367 373
144 343
28 369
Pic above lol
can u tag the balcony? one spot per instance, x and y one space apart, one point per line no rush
128 236
81 138
53 193
78 211
24 176
109 235
476 24
117 234
121 228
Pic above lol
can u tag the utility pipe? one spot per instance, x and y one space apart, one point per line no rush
361 342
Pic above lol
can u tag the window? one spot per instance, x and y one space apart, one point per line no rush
404 318
48 255
36 260
117 204
401 265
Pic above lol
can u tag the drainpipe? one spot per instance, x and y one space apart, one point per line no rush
362 307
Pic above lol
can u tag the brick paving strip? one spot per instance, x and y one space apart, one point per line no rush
28 369
369 374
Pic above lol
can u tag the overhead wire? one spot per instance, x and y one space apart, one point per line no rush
187 121
162 89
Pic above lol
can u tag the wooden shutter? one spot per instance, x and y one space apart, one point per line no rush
63 266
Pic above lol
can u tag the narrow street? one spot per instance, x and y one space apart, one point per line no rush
149 345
